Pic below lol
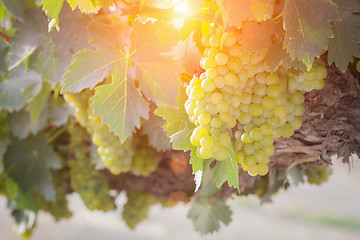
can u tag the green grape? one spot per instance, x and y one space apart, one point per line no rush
85 179
318 175
137 207
59 208
244 105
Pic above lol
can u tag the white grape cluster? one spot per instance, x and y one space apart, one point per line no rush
238 102
133 155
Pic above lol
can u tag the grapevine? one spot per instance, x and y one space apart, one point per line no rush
238 101
173 101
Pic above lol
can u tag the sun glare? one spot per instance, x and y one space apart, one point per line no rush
181 7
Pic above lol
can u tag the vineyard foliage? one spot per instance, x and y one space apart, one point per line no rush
94 91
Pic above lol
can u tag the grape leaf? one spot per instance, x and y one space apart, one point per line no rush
89 67
178 126
25 221
234 12
51 52
307 28
296 175
31 166
21 125
262 10
4 48
277 55
345 43
11 90
187 54
37 103
256 37
85 6
4 142
156 134
120 104
28 37
206 216
19 198
158 74
52 8
15 7
195 161
227 170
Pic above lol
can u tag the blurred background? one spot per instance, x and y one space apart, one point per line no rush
329 211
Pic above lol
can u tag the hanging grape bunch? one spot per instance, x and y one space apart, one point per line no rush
238 102
118 157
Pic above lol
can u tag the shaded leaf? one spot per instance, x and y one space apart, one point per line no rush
36 105
15 7
19 198
345 43
296 175
21 125
4 142
206 216
307 28
256 37
234 12
156 134
227 170
31 166
12 89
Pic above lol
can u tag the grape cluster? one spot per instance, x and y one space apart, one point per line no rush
58 208
137 207
318 175
85 179
135 154
238 102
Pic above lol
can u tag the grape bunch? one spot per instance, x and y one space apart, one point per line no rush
135 154
137 207
238 102
85 179
59 208
319 174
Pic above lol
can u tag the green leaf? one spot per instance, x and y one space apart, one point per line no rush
4 142
89 67
345 43
296 175
19 198
206 216
4 48
52 8
227 170
31 166
15 7
178 126
85 6
195 161
208 186
12 89
25 221
307 28
120 104
36 105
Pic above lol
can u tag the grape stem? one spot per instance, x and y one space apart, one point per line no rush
5 37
